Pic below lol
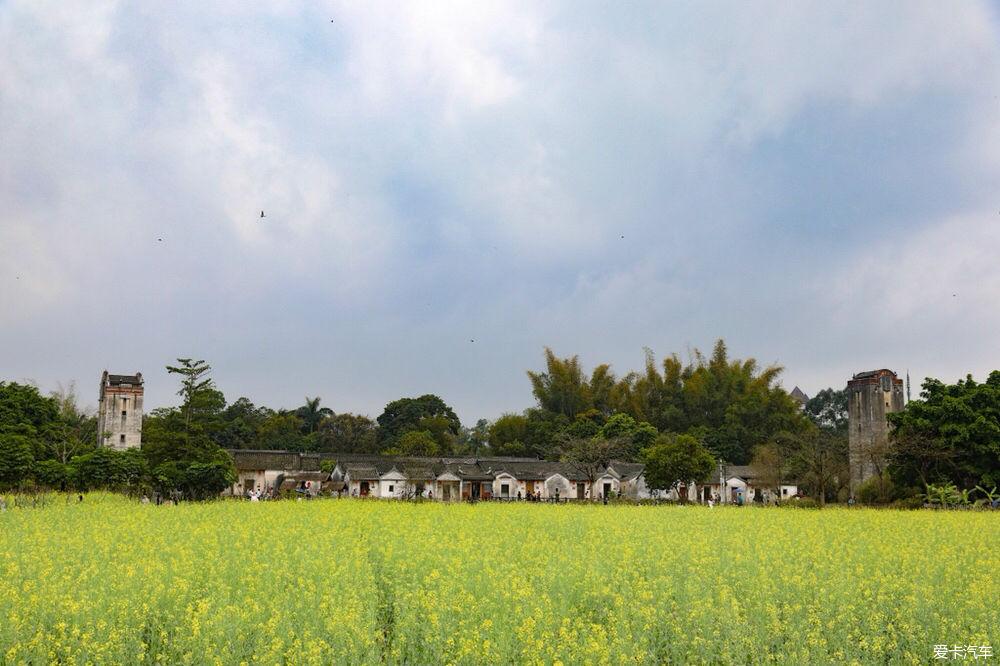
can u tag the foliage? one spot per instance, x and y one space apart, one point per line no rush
828 411
106 468
676 459
635 436
951 435
562 388
818 460
51 474
731 405
945 495
420 413
312 414
16 457
348 433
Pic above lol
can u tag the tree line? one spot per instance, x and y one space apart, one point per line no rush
679 418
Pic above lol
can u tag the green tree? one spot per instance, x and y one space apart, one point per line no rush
950 435
348 433
240 425
16 457
828 411
283 431
202 402
676 459
29 415
634 436
76 430
406 414
312 414
415 443
174 439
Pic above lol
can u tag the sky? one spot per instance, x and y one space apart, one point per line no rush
450 188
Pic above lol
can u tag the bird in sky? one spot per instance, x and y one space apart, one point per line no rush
262 213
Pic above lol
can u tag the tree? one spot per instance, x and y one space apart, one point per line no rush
561 389
674 460
312 414
415 443
16 458
828 411
950 435
29 415
730 405
634 436
818 460
406 414
590 456
76 431
241 423
201 399
175 439
348 433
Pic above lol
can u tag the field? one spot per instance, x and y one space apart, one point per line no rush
366 582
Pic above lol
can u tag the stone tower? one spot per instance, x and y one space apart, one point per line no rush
871 397
119 411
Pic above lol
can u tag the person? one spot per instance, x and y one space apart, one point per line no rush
709 502
518 495
850 501
145 499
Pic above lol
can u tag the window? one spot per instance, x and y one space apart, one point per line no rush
504 490
121 439
784 491
390 487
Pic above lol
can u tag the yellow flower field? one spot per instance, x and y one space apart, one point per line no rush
107 581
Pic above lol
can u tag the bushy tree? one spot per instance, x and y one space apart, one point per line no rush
950 435
16 458
405 414
348 433
674 460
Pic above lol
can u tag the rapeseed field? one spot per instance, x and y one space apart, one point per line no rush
108 581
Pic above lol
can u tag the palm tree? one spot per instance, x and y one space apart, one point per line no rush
312 414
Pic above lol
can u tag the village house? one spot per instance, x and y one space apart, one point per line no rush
743 484
476 478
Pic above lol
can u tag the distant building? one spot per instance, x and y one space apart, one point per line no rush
119 411
871 397
798 396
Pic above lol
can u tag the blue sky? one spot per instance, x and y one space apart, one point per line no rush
449 188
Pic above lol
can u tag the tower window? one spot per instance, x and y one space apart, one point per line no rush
121 438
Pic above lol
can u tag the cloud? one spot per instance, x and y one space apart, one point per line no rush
587 177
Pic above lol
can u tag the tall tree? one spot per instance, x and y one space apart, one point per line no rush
312 414
77 429
201 399
562 388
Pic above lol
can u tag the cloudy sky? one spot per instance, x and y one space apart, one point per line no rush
450 187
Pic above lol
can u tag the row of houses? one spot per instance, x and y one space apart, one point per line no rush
478 478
